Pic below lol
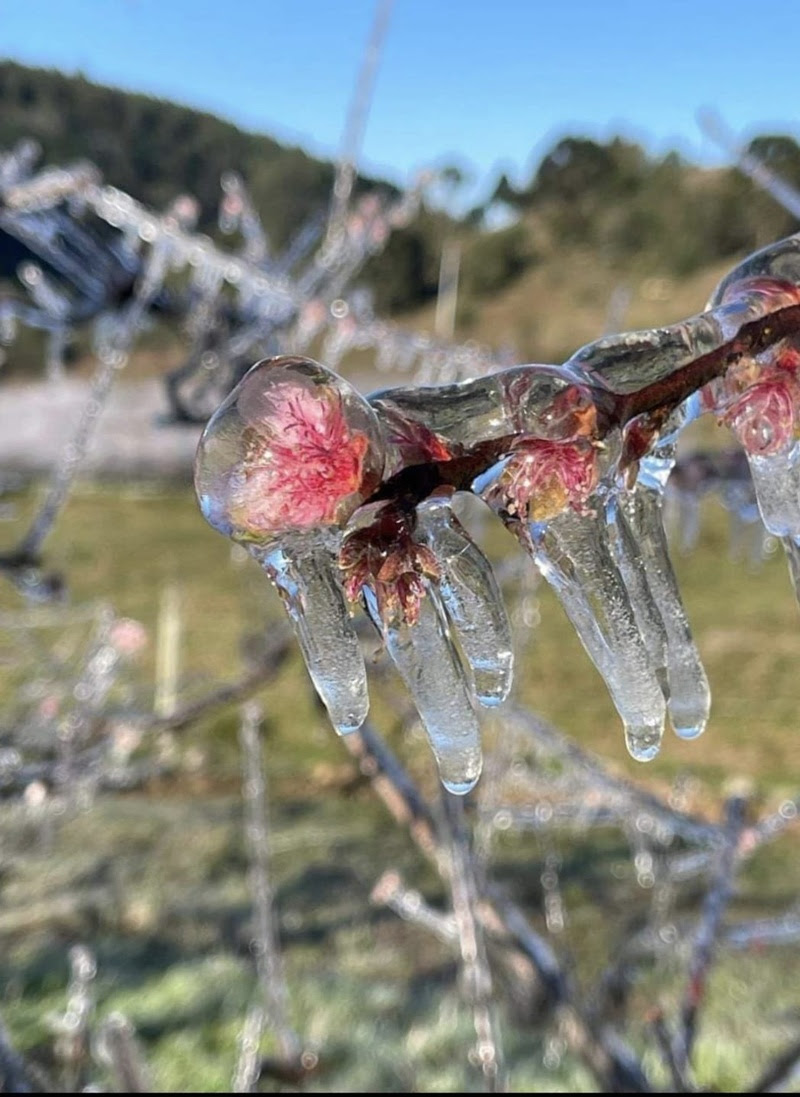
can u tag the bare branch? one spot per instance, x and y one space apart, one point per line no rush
716 902
477 976
117 1045
266 944
779 1071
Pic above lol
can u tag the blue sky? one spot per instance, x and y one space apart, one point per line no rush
490 84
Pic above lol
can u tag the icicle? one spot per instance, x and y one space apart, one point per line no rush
792 547
777 483
688 698
306 573
574 555
424 655
632 568
473 601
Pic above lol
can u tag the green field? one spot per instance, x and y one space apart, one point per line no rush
155 881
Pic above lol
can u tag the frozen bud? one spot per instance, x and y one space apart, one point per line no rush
541 479
292 448
759 399
382 553
285 461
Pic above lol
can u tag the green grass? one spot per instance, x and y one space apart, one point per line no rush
156 882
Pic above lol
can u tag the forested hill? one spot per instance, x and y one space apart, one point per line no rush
634 214
153 148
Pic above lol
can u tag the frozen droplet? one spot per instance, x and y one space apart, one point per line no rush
573 552
426 659
473 601
305 571
643 740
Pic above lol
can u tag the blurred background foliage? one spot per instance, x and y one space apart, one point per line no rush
634 213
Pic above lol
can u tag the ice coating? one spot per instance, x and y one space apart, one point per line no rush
418 575
625 363
306 573
792 549
293 447
425 657
435 423
473 602
778 262
380 551
759 399
541 479
557 498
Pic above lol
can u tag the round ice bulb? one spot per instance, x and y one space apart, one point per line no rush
293 447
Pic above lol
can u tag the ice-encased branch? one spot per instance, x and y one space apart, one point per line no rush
344 499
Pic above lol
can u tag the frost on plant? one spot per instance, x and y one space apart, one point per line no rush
348 501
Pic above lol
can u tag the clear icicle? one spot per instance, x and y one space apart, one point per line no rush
425 657
305 571
777 482
473 601
632 568
689 697
574 555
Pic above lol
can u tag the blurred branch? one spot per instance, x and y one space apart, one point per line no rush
680 1081
779 1071
118 1046
477 976
16 1074
716 902
613 1063
390 891
557 745
278 650
266 944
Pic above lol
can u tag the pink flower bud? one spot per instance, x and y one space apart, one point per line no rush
293 447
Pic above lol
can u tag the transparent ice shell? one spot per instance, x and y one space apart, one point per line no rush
293 447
